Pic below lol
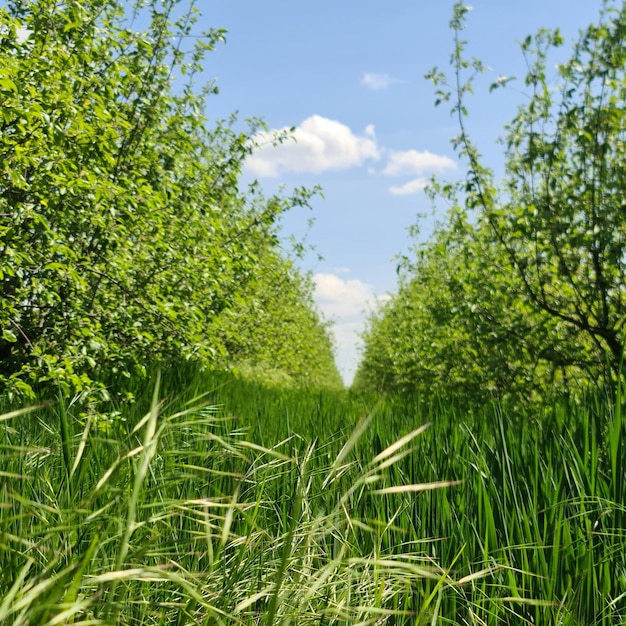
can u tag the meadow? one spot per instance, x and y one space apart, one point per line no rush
129 237
212 500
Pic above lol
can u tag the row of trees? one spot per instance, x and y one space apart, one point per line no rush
125 240
522 288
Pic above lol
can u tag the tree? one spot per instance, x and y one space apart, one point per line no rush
273 331
460 328
123 233
559 214
521 291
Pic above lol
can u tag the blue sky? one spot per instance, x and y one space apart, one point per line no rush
348 74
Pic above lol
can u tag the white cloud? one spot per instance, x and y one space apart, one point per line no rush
413 186
414 162
317 145
320 144
337 297
377 81
345 302
409 162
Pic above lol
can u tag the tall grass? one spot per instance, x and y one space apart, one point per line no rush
266 506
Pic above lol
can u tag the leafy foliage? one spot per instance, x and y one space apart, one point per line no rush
523 289
273 331
123 233
460 327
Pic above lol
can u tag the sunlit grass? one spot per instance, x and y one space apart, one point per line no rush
257 506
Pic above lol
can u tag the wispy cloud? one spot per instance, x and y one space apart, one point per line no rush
413 162
345 301
342 270
21 34
318 144
377 82
413 186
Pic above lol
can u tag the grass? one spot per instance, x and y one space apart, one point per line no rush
266 506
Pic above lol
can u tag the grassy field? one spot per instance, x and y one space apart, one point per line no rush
215 501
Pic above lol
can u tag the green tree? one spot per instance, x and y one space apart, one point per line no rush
522 290
274 332
123 233
559 215
460 327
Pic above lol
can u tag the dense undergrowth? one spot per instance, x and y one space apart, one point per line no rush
204 499
252 505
